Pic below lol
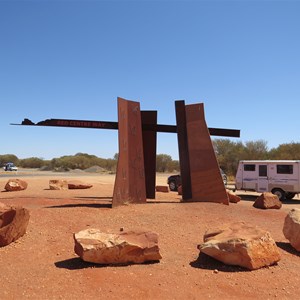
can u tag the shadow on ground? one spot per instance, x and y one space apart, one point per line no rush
105 204
288 248
208 263
77 263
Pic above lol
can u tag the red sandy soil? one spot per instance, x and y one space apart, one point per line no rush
42 264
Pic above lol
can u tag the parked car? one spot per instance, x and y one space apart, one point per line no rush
174 181
10 167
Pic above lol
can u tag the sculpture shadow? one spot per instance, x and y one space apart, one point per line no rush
287 247
95 198
77 263
153 201
206 262
89 205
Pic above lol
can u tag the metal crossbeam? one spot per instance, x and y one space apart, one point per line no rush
114 125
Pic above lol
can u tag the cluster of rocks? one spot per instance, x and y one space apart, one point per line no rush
236 244
55 184
264 201
60 184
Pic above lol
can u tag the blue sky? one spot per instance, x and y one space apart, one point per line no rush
72 59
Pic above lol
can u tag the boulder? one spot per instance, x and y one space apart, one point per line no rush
233 198
267 201
241 245
162 188
58 184
77 184
291 228
15 185
13 223
126 247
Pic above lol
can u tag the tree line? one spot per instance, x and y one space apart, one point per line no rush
228 154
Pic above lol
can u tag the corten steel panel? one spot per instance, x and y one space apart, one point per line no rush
183 150
149 146
130 178
206 179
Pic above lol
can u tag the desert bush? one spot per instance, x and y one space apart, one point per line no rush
5 158
32 162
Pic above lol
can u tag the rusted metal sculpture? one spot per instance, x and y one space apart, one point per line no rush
135 179
200 172
130 178
206 180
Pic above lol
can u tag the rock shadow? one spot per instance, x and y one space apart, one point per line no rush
206 262
77 263
291 201
73 264
287 247
250 198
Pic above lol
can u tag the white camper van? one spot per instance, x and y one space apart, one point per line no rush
281 177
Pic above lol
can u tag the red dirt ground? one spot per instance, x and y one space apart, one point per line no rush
42 264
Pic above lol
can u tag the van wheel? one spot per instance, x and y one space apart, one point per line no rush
289 195
279 193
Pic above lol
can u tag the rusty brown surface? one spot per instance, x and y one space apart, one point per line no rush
130 178
183 150
114 125
206 179
149 146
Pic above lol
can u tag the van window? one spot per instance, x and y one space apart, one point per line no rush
284 169
249 167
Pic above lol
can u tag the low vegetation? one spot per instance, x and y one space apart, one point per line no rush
228 153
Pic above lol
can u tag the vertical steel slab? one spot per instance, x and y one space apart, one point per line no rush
206 179
130 178
149 146
183 150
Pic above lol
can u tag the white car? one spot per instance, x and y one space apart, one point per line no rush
10 167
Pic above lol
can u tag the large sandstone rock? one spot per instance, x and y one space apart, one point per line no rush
13 223
92 245
15 185
291 228
233 198
58 184
241 245
267 200
162 188
77 184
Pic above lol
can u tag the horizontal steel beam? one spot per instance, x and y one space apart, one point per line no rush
114 125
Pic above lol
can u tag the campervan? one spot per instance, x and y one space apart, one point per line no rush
280 177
